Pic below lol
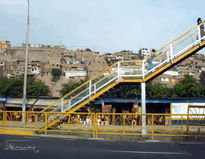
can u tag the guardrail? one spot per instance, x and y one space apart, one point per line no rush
106 123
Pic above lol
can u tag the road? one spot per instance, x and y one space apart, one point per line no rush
29 147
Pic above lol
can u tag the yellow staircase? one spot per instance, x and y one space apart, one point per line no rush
127 71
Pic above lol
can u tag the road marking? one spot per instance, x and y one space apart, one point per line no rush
96 139
31 137
150 141
149 152
69 139
191 143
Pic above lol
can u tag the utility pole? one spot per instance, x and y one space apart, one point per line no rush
25 67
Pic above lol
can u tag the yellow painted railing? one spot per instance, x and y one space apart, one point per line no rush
107 123
137 69
121 71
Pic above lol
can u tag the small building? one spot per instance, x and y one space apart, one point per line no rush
5 44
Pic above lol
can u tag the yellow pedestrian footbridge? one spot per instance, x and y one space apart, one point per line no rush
122 71
127 71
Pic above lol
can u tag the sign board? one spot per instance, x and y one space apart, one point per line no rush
182 108
107 109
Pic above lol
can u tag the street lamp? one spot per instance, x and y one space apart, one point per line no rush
25 67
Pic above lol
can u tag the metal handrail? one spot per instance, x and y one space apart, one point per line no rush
173 41
115 64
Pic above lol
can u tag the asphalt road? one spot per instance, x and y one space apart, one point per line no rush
26 147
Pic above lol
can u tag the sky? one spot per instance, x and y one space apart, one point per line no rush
101 25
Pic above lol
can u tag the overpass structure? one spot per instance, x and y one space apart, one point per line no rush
138 71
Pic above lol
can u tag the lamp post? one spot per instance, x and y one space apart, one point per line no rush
25 67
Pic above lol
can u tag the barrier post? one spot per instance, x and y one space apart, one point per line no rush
182 129
96 126
187 122
124 123
35 126
69 121
25 117
152 126
46 124
4 119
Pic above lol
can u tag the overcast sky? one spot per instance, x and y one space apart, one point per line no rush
101 25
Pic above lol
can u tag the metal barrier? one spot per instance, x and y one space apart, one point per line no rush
72 123
105 123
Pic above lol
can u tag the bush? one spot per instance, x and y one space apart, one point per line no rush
56 73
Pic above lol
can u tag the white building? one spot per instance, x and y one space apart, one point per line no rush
144 52
171 73
35 70
69 74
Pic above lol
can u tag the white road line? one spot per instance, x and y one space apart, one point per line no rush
149 152
31 137
191 143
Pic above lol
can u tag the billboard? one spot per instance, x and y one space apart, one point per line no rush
182 108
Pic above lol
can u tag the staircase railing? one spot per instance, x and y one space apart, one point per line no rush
136 69
173 50
95 84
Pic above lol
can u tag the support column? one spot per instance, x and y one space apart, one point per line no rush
143 103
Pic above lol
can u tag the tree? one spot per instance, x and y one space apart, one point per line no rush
56 73
11 87
70 86
38 89
125 91
157 90
87 49
202 78
187 87
131 91
14 88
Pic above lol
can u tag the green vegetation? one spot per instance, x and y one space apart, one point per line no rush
14 88
70 86
38 89
56 73
88 49
187 87
158 91
11 87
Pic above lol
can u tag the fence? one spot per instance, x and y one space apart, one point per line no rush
105 123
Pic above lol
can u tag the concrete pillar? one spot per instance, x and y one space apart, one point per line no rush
143 101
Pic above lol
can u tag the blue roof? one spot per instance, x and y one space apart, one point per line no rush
2 99
133 100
